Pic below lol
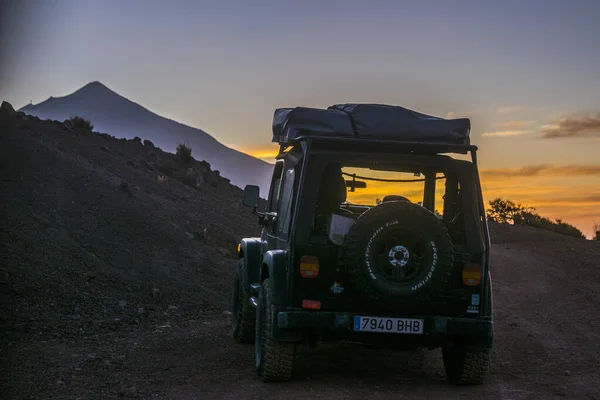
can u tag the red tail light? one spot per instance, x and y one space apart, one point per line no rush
471 274
311 304
309 267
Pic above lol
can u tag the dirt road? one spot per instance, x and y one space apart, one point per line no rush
547 346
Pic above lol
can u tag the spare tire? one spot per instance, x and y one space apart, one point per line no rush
398 252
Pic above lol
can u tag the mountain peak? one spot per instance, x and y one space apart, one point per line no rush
115 114
95 84
95 87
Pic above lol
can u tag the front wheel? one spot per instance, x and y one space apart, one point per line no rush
274 360
243 315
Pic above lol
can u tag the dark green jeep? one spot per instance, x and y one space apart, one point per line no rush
375 233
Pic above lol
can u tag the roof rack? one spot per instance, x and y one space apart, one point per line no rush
370 124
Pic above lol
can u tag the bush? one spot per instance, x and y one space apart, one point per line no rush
537 221
184 152
81 124
505 211
596 232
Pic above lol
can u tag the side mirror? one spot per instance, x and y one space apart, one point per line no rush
251 196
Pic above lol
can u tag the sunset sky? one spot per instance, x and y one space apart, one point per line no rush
525 72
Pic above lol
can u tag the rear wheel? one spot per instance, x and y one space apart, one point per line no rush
274 360
468 364
243 315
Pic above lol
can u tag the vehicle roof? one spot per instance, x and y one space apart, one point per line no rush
371 145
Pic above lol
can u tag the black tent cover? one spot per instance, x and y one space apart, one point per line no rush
368 121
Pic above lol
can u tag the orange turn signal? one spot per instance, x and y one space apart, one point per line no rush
311 304
239 248
471 274
309 267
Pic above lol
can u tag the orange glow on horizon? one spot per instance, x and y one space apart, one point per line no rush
568 192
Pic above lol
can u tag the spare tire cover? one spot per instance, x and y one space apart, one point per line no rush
398 251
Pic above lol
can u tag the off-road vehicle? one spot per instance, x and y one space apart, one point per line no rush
374 232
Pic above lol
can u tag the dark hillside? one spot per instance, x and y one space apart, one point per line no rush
100 234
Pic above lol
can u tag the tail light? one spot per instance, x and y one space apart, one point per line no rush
471 274
311 304
309 267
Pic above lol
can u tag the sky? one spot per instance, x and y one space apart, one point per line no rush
525 72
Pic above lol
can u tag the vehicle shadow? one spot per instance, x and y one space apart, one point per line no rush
371 366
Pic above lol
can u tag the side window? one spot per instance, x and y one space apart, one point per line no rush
284 213
275 187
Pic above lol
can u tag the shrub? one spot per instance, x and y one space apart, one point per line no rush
81 123
596 232
505 211
558 226
184 152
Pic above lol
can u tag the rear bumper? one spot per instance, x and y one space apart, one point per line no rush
342 322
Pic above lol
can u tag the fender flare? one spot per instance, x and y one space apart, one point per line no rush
250 253
274 268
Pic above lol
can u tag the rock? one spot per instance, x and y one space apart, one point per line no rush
147 165
567 372
7 108
149 144
125 187
156 293
130 392
226 312
224 252
218 235
172 308
122 303
141 310
105 148
137 139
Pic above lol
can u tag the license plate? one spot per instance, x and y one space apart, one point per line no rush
388 325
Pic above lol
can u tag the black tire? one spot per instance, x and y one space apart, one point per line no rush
274 360
398 252
468 365
243 315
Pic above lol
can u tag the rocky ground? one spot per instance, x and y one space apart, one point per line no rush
115 282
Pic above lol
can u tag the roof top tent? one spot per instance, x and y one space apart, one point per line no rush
401 129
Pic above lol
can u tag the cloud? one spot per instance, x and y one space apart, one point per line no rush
517 124
504 133
518 109
573 126
511 128
543 170
507 110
